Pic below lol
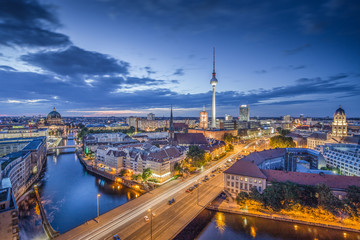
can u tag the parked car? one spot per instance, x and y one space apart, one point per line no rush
146 218
187 190
170 202
116 237
173 200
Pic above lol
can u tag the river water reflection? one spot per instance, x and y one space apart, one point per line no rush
232 226
68 193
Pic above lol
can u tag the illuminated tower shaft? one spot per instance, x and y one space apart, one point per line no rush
213 109
213 83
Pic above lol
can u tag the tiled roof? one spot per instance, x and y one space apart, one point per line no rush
332 181
117 153
259 157
190 138
245 168
165 154
316 135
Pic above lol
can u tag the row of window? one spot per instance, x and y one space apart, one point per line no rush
232 177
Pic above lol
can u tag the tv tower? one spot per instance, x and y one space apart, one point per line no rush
213 83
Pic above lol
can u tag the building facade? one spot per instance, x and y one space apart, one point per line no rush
345 157
242 176
244 113
204 119
339 126
23 167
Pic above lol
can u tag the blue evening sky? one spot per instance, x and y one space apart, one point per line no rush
120 57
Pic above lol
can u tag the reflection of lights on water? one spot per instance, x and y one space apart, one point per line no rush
252 231
220 221
37 209
296 227
345 234
245 222
128 195
118 187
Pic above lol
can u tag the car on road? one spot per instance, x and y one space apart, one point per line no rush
146 218
187 190
170 202
116 237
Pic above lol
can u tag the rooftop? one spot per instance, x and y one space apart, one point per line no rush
245 168
259 157
332 181
190 138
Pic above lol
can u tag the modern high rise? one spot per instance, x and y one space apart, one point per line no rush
244 113
339 126
204 119
151 117
213 83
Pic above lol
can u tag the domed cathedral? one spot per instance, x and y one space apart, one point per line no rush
54 118
339 126
55 123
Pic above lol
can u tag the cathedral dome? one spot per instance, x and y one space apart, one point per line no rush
340 111
53 115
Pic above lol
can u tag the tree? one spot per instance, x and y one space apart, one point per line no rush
196 156
178 167
136 176
327 200
280 141
228 138
242 197
146 174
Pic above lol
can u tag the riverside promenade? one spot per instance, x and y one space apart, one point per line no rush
221 205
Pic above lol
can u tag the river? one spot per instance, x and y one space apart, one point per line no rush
225 226
68 193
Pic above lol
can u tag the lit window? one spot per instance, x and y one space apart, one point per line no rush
245 179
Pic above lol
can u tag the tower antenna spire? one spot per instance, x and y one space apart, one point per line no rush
213 62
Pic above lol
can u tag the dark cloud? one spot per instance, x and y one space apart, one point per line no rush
179 72
28 23
297 49
7 68
288 68
76 61
149 70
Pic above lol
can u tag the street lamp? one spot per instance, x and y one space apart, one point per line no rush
151 215
97 198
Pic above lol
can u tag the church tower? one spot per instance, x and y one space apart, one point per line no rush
171 128
339 126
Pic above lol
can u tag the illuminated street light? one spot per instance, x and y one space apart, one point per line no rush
151 215
97 198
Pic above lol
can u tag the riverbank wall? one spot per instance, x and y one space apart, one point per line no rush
232 209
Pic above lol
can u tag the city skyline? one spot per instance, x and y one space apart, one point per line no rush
110 58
